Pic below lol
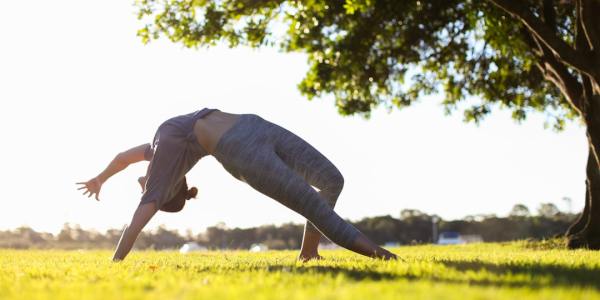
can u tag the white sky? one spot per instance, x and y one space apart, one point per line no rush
77 86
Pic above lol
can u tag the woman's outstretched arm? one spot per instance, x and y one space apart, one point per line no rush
120 162
142 215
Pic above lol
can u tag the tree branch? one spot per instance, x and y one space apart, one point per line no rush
586 9
591 28
550 15
554 71
559 48
582 42
566 82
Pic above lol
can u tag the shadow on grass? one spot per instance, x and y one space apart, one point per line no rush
531 276
540 275
353 274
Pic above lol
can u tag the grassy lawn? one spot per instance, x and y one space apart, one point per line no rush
478 271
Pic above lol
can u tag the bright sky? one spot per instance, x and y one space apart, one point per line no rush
77 86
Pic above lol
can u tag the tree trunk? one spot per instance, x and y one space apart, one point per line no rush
592 120
589 235
576 232
592 228
583 218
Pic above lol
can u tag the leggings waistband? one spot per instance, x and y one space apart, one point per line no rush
240 127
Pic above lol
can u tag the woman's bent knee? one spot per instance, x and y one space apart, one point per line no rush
334 186
338 182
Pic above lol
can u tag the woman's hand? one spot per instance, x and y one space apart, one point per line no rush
142 215
92 187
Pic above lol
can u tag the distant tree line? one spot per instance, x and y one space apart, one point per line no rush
411 227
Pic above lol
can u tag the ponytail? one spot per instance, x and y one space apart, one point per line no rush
192 193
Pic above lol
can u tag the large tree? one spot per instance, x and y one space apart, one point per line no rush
525 56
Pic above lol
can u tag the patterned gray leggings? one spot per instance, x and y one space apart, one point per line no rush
283 166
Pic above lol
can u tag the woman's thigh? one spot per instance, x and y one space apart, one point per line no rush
307 161
264 171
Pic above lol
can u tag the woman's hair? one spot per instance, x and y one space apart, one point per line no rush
192 193
178 201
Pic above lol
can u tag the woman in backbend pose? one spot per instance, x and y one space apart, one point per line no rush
271 159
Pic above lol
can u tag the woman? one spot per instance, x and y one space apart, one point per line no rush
271 159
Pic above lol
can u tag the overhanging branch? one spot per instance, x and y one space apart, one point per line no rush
559 47
587 13
554 71
568 83
582 42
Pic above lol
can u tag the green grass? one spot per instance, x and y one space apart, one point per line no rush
478 271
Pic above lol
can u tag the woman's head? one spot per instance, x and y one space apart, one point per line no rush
184 193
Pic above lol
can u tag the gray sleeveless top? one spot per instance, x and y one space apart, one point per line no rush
173 152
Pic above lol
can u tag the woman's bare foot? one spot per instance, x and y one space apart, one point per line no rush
142 182
364 246
387 255
306 257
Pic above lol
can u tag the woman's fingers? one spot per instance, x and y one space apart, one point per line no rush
85 185
90 189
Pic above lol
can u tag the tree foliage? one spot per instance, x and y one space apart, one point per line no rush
373 52
519 211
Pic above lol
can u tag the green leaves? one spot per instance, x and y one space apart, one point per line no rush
360 51
353 6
